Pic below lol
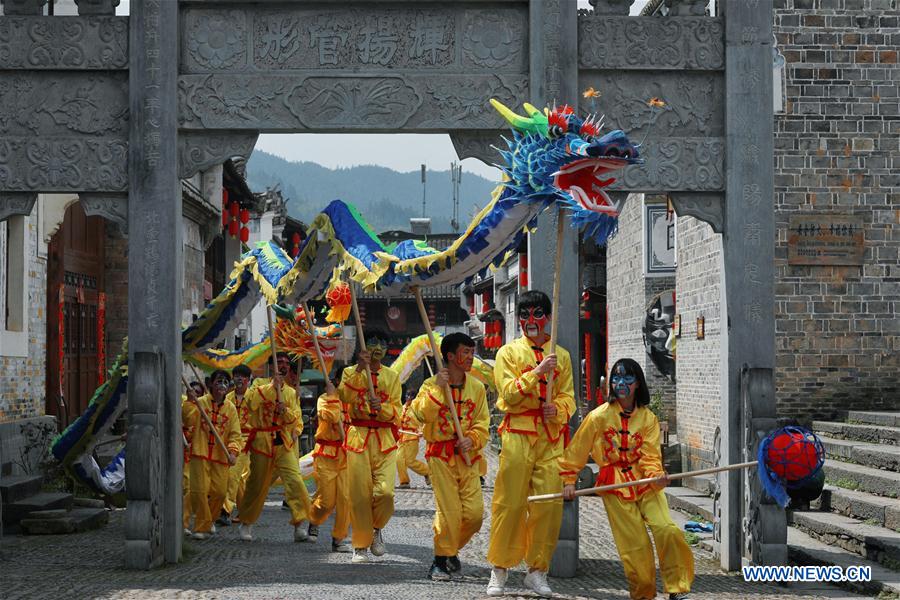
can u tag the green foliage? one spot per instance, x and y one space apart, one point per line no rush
691 538
657 407
847 484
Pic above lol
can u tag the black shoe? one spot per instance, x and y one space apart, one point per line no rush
453 564
313 533
482 481
681 596
224 519
439 571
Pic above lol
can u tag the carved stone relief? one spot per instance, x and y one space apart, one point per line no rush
63 164
689 164
464 102
64 43
23 7
477 144
692 107
112 207
709 208
215 41
200 150
495 40
97 7
12 204
651 42
381 102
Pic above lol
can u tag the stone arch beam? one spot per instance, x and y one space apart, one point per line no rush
198 151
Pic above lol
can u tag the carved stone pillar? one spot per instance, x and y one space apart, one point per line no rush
153 521
23 7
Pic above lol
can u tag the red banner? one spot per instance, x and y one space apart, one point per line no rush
101 342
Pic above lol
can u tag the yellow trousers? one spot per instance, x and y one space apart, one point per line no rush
263 470
628 521
372 477
209 484
519 529
237 481
186 495
460 504
332 493
406 459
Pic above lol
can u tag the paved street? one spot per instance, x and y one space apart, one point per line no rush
273 566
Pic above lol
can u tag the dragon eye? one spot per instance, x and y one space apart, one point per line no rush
555 131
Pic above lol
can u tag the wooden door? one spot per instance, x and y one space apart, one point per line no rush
75 325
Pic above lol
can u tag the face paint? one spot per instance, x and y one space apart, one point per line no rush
621 382
464 357
532 321
377 348
241 382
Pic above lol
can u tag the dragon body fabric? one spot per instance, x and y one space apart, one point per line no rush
553 158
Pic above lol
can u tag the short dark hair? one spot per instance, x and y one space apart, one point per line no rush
219 373
294 366
453 341
242 370
379 334
642 393
535 299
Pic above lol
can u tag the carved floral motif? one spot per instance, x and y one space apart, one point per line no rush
677 164
64 42
463 101
353 101
67 164
217 40
199 151
492 40
215 101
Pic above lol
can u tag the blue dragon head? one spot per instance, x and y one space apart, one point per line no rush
557 156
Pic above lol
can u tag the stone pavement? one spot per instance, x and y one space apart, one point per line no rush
89 565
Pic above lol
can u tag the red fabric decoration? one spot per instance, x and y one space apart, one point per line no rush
225 217
295 238
245 216
295 251
245 234
791 456
233 228
101 343
224 198
234 209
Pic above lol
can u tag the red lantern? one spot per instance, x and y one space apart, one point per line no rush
234 209
245 216
245 234
523 271
225 218
224 198
233 229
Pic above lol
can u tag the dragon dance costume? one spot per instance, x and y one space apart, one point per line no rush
209 465
457 489
531 447
371 444
240 470
271 447
409 448
626 448
332 484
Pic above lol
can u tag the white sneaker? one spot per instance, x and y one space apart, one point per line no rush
497 584
246 532
301 531
201 536
536 581
377 546
187 531
212 528
360 555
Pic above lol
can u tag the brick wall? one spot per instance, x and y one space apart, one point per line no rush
23 379
116 276
837 328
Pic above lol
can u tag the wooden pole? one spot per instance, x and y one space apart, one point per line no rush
624 484
274 347
439 363
554 316
329 387
203 414
361 339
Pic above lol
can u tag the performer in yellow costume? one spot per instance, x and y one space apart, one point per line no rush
622 436
238 474
409 447
187 432
271 446
332 485
457 486
209 462
533 435
372 446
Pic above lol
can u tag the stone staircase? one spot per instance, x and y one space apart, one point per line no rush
27 509
856 521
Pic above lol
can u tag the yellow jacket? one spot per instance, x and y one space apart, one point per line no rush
520 390
243 414
224 418
625 448
331 420
265 425
353 392
430 407
409 422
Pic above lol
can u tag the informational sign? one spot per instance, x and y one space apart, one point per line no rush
826 240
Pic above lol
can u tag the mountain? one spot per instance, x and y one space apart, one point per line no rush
385 198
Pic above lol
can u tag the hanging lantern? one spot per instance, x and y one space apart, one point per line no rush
234 209
523 271
225 217
431 314
233 229
245 234
245 216
224 198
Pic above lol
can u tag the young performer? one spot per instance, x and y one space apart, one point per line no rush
209 462
532 434
271 445
188 423
409 446
623 437
332 491
238 474
457 486
372 446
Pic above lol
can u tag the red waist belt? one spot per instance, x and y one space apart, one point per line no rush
539 412
335 443
445 450
253 433
373 424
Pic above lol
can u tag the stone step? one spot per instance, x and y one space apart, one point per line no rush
705 484
804 549
873 434
16 511
73 521
18 487
888 419
873 543
874 510
861 478
690 502
880 456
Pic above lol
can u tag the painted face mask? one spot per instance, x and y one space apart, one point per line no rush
464 357
620 382
532 321
377 348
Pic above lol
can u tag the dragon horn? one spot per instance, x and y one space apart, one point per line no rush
530 109
517 121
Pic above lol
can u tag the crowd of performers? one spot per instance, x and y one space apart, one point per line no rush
363 442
